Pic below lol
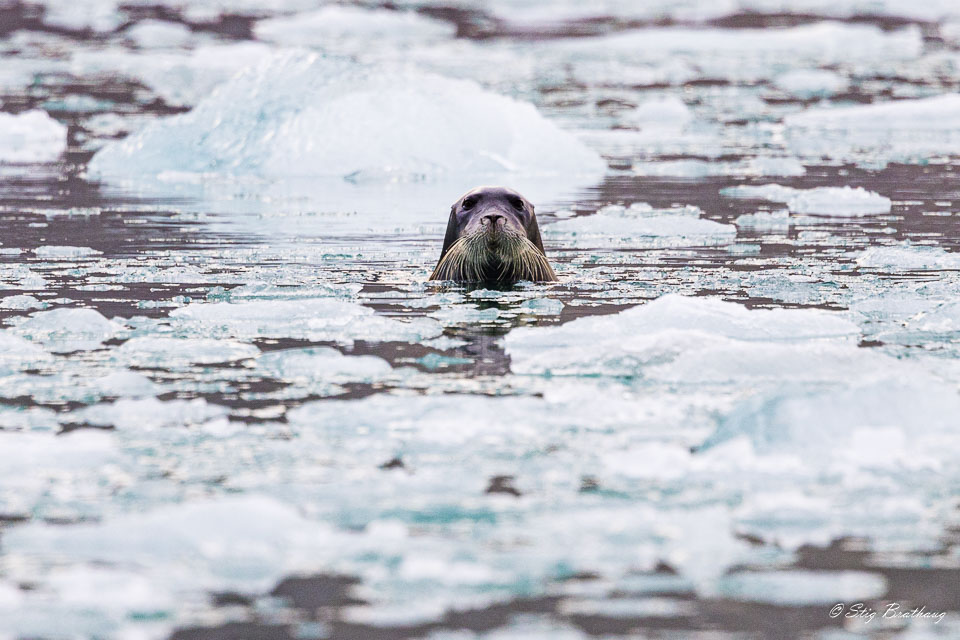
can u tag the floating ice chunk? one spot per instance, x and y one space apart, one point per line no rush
124 384
21 302
937 114
322 364
310 319
657 332
334 27
51 252
266 291
823 422
465 314
68 329
908 258
20 418
267 121
121 592
97 15
764 220
950 31
147 413
31 136
748 54
168 353
838 201
811 83
700 168
669 112
619 226
824 201
15 352
238 542
541 306
725 362
943 319
29 460
180 78
804 588
905 130
157 34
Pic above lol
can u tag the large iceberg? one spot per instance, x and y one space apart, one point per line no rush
306 115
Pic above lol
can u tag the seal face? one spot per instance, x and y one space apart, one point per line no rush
492 236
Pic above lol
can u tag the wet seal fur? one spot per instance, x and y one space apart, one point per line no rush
492 236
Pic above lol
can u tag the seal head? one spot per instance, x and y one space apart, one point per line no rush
492 236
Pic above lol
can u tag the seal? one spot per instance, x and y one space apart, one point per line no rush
493 237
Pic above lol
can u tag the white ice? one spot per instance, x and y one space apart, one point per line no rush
148 413
167 352
59 252
823 201
759 166
905 130
302 115
310 319
347 29
639 225
31 136
657 332
68 329
158 34
811 83
908 258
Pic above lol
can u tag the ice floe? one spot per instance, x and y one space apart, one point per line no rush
50 252
158 34
322 364
147 413
31 136
811 83
68 329
307 115
822 201
905 130
830 422
166 352
748 54
310 319
908 258
639 225
668 112
694 168
649 335
349 29
21 302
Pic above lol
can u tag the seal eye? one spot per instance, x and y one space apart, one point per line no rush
469 203
515 202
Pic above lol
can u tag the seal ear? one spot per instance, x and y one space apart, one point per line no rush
533 232
451 236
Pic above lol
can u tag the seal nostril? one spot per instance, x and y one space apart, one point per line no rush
493 218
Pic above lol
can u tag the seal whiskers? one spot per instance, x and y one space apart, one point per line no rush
492 236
